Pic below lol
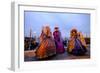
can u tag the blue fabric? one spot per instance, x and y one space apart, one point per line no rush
79 49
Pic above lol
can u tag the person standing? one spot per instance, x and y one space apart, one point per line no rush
47 46
58 40
75 45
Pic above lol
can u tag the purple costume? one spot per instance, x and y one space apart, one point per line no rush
78 49
58 42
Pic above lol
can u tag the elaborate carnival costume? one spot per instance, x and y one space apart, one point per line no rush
58 41
47 46
76 46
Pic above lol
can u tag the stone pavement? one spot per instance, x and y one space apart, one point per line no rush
30 56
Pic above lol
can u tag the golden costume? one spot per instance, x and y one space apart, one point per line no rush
47 46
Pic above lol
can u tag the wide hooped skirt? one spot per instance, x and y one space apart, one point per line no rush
47 48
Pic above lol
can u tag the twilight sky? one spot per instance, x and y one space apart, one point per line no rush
65 21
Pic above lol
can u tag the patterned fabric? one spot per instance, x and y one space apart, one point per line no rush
82 40
75 47
47 48
59 42
71 44
42 36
